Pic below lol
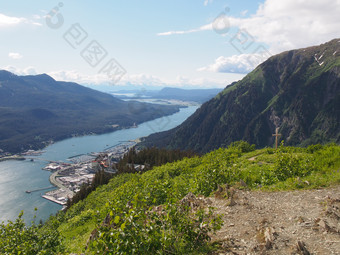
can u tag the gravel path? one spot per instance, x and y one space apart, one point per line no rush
294 222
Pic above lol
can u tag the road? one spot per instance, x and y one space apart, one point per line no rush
59 184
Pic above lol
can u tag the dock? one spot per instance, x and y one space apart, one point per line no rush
34 190
46 160
51 198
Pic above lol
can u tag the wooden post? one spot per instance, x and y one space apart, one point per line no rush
276 136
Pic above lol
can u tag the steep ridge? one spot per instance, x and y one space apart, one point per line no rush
297 91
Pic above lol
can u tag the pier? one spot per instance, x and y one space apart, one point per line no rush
34 190
46 160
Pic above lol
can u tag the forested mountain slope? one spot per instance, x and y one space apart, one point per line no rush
297 91
37 109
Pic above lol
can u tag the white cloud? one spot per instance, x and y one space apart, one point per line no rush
244 13
206 2
36 16
8 21
243 63
15 55
285 25
142 79
61 75
204 81
289 24
202 28
221 24
99 79
201 82
281 25
179 81
75 76
25 71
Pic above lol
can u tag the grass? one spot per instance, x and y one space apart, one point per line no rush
288 168
131 199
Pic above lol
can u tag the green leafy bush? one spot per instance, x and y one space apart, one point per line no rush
140 229
17 238
146 216
243 146
313 148
289 165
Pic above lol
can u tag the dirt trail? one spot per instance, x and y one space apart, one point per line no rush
294 222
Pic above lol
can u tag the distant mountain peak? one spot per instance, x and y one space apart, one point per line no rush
42 77
36 109
4 75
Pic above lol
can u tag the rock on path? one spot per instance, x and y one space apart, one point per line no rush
290 222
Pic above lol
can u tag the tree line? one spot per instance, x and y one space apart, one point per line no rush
148 157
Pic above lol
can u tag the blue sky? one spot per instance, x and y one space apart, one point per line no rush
198 43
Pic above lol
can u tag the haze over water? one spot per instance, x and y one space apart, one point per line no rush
18 176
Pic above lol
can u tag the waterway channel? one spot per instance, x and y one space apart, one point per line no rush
16 177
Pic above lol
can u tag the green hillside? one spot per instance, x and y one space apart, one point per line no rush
146 213
297 91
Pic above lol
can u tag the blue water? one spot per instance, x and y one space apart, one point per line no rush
18 176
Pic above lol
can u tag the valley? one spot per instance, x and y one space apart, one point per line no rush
37 110
19 176
170 127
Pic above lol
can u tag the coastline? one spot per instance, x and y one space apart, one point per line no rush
58 184
14 157
61 151
99 131
58 179
68 178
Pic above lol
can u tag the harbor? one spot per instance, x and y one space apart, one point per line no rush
69 177
18 176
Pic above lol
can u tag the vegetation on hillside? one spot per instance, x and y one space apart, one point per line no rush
100 178
17 238
148 157
135 213
297 91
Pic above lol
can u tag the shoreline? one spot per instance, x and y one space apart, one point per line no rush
58 184
62 193
14 157
68 178
114 128
43 160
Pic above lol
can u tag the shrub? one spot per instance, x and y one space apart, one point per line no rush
313 148
289 165
17 238
243 146
169 229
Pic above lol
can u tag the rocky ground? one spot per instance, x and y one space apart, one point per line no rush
290 222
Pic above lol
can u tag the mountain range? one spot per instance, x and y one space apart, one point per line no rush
35 110
168 93
297 91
